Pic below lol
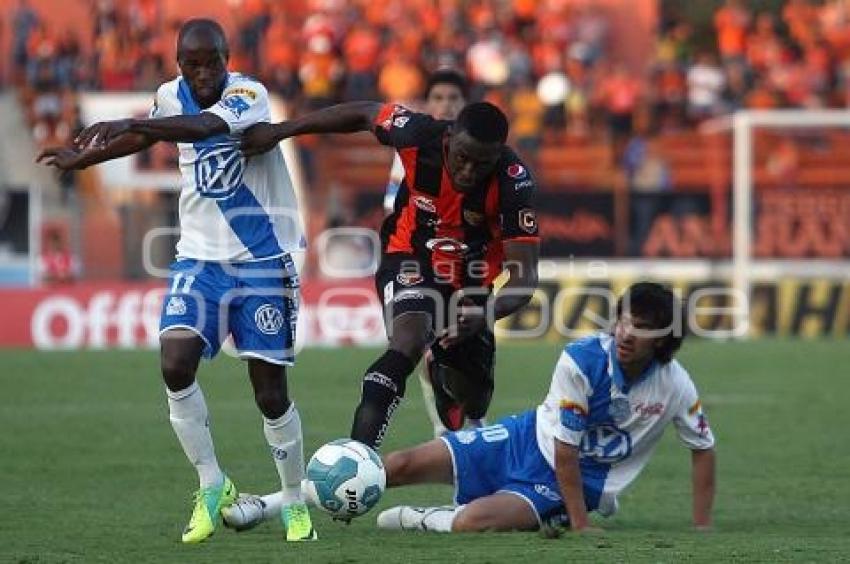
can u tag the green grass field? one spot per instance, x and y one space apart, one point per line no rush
91 471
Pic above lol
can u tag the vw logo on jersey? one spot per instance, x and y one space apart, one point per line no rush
269 319
218 170
606 444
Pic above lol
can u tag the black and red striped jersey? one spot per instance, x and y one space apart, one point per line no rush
459 234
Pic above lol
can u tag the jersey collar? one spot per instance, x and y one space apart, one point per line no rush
616 371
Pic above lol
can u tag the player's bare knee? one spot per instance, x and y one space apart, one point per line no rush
398 468
178 370
271 402
471 521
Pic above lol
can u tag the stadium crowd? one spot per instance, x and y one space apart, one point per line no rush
544 61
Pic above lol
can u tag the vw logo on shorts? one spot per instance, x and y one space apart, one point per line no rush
269 319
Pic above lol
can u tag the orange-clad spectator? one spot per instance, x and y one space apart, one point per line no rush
429 18
546 57
375 12
801 17
361 49
524 10
731 22
320 72
254 8
619 94
58 265
481 15
281 47
671 85
835 25
764 46
400 80
408 37
817 62
527 119
761 97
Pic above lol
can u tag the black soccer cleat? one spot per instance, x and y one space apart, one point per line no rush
450 411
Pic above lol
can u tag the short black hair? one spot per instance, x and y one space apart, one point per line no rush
448 76
658 305
484 122
203 25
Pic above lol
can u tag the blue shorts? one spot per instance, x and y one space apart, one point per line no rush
504 457
255 302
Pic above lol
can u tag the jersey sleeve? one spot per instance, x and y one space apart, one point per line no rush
690 420
573 389
516 197
165 102
242 104
399 127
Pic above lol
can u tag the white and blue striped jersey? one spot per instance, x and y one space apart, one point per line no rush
616 423
231 209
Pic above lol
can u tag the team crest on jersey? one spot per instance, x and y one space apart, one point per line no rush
619 409
473 217
528 220
269 319
409 278
387 123
516 171
425 204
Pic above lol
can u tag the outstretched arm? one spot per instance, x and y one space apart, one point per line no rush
521 264
71 158
177 129
702 462
341 118
568 473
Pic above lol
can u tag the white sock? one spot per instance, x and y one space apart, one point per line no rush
273 504
440 519
284 437
187 411
428 398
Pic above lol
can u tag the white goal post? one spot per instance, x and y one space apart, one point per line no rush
742 125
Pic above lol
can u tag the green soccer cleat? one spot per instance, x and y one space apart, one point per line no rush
296 521
207 512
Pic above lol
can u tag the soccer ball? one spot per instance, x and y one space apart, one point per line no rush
345 478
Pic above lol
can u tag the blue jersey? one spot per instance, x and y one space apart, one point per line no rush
231 209
616 423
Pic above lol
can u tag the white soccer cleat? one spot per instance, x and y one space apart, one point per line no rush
409 518
245 513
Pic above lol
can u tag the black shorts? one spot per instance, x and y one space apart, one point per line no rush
407 284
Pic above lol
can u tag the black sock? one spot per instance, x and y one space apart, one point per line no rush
383 388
